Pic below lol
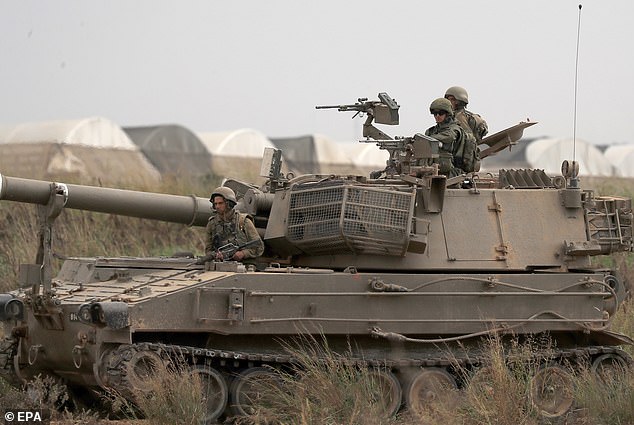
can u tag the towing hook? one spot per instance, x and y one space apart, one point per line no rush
77 352
34 350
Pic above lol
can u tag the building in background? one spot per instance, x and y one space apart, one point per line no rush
548 153
90 150
172 149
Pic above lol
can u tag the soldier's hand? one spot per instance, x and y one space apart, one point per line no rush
219 256
239 255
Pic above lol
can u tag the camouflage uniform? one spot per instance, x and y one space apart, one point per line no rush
236 228
475 128
471 123
451 135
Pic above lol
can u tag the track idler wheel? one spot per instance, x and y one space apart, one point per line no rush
482 389
252 387
215 391
429 387
551 391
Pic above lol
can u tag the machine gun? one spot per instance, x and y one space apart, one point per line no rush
408 155
227 251
383 111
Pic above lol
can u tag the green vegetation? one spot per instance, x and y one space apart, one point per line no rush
613 186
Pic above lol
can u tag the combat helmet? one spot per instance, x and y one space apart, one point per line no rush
459 93
228 195
441 104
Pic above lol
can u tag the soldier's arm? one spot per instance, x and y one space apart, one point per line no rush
209 240
446 136
483 129
252 234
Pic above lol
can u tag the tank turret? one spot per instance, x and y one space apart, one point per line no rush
408 269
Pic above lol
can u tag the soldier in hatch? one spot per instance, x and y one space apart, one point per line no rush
473 124
450 135
230 226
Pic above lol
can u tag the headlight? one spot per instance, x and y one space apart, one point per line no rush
11 308
111 314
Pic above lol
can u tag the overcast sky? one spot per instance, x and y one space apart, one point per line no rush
223 65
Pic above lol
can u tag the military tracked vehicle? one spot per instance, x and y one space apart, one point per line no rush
406 271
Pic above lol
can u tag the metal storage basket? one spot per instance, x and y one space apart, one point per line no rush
348 217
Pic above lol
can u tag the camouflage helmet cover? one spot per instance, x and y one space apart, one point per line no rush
225 192
441 104
459 93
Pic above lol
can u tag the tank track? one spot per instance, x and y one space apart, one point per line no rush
118 362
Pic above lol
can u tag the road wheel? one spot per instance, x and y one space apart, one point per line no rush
429 387
252 387
386 391
215 391
142 367
609 366
551 391
481 389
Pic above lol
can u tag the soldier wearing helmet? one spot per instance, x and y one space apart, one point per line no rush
230 226
450 135
473 124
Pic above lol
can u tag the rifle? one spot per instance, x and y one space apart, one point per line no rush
384 111
227 251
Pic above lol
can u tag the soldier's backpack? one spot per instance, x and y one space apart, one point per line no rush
470 154
466 153
475 128
477 125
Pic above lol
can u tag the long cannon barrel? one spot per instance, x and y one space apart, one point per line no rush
190 210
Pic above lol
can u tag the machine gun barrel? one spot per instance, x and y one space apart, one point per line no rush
359 107
190 210
383 111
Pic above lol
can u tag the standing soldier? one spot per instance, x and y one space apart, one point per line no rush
230 226
450 135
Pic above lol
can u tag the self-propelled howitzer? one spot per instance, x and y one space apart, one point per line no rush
407 272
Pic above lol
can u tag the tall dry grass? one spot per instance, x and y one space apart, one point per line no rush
322 387
172 395
49 396
326 388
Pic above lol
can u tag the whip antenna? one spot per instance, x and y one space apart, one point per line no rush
574 119
570 169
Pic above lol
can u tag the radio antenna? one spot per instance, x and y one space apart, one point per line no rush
573 180
574 119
